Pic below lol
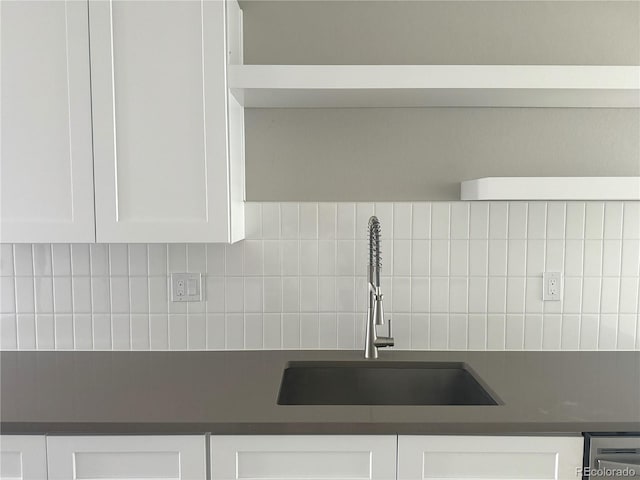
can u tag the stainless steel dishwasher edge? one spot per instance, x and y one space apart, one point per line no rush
611 456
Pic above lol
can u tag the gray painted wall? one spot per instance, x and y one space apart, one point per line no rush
421 153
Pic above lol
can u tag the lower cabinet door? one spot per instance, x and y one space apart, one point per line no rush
127 457
296 457
477 457
23 457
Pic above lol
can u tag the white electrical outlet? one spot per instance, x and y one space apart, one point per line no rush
551 286
186 287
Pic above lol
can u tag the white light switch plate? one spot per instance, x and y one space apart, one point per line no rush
186 287
551 286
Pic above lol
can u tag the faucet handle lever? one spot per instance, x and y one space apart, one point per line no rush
389 328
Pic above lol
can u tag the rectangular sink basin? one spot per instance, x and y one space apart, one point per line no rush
381 383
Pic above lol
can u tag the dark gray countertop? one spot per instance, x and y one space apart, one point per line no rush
235 393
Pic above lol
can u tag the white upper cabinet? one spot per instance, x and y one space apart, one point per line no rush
168 139
46 170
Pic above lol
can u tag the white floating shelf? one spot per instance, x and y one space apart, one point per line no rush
551 188
435 86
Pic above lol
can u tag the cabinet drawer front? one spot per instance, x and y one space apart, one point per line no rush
303 457
469 457
126 457
23 457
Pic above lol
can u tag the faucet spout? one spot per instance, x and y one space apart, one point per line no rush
375 310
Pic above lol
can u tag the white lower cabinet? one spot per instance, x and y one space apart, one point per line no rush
284 457
480 457
23 457
127 457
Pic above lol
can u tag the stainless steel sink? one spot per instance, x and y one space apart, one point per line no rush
381 383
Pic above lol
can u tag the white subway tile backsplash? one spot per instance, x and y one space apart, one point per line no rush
556 220
43 294
25 299
140 339
439 332
158 259
611 258
7 295
6 260
215 259
42 263
327 218
138 259
594 220
496 331
401 257
289 221
8 332
159 332
537 222
459 258
515 332
61 257
402 221
420 258
631 224
119 261
498 220
516 257
421 221
253 220
460 220
82 333
479 220
478 257
575 216
440 258
272 253
517 220
631 257
326 257
309 220
196 258
23 259
420 294
197 331
574 257
102 332
497 257
456 275
270 220
63 332
234 331
613 220
401 294
253 291
440 218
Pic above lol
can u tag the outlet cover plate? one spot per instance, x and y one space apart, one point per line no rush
551 287
186 287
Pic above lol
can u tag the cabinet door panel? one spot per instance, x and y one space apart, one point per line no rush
23 457
475 457
46 163
303 457
127 457
160 120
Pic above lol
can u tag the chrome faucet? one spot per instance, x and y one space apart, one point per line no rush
375 312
